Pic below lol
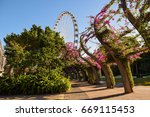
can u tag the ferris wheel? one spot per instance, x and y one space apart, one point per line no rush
66 25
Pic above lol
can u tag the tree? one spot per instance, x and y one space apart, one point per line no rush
138 13
74 66
33 51
110 38
91 68
100 59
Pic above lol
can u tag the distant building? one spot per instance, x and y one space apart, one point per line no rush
2 59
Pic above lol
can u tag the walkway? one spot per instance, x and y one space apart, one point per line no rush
82 90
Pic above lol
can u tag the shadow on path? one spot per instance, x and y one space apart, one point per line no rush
80 85
86 91
23 97
105 97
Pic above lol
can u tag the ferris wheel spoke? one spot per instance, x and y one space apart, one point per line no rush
67 26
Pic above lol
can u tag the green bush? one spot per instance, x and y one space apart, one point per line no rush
54 82
36 53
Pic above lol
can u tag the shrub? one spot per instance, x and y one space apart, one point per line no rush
36 53
54 82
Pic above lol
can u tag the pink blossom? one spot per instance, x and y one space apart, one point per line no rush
97 20
71 51
106 22
103 11
112 11
135 56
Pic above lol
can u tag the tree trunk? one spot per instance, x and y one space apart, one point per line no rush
92 75
123 65
110 80
78 74
98 71
108 71
97 75
89 72
85 77
145 34
126 74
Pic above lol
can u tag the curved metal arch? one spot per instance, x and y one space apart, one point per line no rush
75 25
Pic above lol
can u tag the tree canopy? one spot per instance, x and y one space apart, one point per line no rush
34 50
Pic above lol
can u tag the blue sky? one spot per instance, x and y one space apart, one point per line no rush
15 15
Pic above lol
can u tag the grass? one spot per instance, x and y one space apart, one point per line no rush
142 81
145 81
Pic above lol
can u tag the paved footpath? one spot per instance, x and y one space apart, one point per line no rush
85 91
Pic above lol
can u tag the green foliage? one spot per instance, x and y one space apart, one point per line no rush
54 82
129 73
138 81
112 78
91 75
34 56
34 51
143 81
